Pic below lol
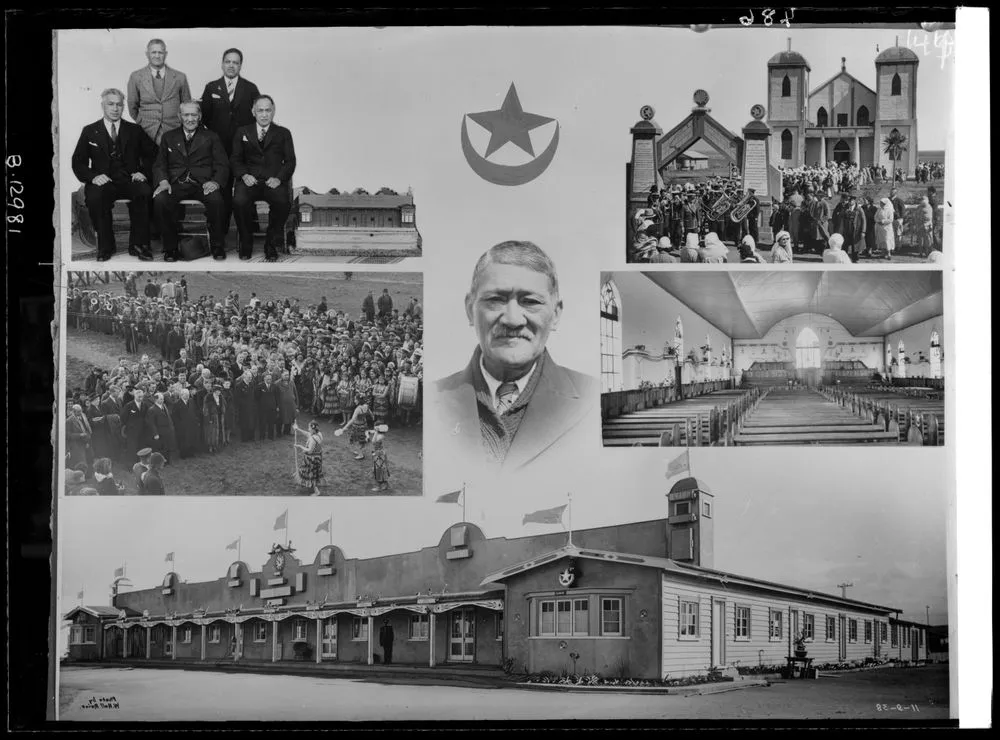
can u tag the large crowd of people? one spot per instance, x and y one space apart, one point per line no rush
680 224
232 372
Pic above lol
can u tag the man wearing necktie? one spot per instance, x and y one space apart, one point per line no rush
155 93
512 405
112 158
227 104
263 161
191 165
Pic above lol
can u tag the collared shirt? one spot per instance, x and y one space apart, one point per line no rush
231 84
109 125
261 132
493 384
162 71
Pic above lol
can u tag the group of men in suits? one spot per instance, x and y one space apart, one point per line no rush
224 151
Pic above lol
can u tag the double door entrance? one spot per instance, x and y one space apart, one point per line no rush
329 640
462 635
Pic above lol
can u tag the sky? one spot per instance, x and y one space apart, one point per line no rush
384 107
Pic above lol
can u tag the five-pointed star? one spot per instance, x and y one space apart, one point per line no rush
510 123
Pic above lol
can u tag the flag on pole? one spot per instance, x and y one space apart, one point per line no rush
324 526
282 521
680 463
120 572
234 545
450 498
545 516
169 558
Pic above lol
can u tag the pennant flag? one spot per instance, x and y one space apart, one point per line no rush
450 498
119 572
234 545
169 558
679 464
324 526
80 595
545 516
282 521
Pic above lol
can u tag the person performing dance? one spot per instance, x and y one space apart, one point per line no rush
310 469
361 422
380 459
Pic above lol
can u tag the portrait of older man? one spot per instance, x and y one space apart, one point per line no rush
512 405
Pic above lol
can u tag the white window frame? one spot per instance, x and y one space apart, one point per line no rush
215 633
706 509
90 629
809 627
737 636
679 504
831 628
419 627
260 631
688 613
408 216
359 629
301 628
605 632
586 614
852 630
775 618
76 635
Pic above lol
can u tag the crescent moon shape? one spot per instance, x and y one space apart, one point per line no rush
502 174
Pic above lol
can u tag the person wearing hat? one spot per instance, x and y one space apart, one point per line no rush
245 398
139 468
781 250
160 428
817 212
884 228
899 212
849 221
104 479
748 251
78 436
134 422
714 251
691 215
386 635
268 407
152 484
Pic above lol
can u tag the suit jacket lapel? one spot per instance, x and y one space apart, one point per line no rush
461 414
103 137
169 79
554 408
146 81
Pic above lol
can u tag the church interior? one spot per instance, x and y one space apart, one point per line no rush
772 358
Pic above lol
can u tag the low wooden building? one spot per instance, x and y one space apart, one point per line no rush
640 600
370 227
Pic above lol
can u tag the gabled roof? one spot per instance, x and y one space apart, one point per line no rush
841 73
346 200
676 568
98 611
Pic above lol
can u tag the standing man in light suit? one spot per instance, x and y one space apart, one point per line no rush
227 104
155 93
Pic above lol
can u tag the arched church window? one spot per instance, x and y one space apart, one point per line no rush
807 352
897 85
786 144
786 87
611 339
822 119
864 117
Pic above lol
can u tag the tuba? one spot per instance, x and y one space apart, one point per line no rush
717 209
742 209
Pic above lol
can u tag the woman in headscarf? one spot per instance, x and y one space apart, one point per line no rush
748 251
689 252
835 253
714 251
310 471
781 250
885 239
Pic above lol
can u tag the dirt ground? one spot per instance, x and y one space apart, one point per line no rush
908 695
264 468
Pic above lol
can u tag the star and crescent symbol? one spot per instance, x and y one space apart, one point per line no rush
509 124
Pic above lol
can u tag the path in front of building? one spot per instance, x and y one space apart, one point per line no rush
171 695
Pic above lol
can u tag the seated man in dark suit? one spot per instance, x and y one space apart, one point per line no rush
512 405
263 162
111 158
191 165
226 105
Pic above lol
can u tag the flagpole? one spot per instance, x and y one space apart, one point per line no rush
239 548
463 501
330 528
687 451
570 497
286 528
